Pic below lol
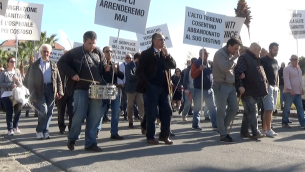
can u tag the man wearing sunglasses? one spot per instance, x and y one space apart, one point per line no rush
154 81
293 91
80 65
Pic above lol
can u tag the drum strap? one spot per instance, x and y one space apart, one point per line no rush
88 66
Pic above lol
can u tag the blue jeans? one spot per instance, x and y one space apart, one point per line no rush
188 101
11 123
157 97
297 101
282 98
115 112
45 107
89 109
208 98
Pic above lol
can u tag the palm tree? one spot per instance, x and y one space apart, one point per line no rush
4 55
47 40
243 10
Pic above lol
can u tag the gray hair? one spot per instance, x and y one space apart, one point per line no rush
45 45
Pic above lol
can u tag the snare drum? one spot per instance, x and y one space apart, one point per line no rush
103 92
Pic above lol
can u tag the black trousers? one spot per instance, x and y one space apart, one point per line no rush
61 107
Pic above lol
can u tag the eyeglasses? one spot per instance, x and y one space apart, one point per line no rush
11 61
107 51
45 51
161 39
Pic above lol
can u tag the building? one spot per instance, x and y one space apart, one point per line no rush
10 45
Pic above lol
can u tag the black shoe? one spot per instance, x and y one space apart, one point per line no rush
27 115
35 115
275 112
180 111
289 121
116 137
197 128
172 134
227 139
62 132
71 145
143 131
94 148
248 135
125 118
190 114
207 119
105 120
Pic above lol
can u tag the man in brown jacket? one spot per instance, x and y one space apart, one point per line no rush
45 85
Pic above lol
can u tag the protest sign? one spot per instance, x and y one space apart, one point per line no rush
77 44
55 55
203 29
21 21
233 27
3 6
125 47
129 15
145 40
66 42
297 23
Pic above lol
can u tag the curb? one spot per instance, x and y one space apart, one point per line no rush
14 157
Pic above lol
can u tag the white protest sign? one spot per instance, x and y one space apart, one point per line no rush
297 24
125 47
77 44
145 40
203 29
129 15
3 6
233 27
66 42
22 20
55 55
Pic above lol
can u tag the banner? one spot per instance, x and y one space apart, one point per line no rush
125 47
66 42
297 24
3 6
129 15
145 40
203 29
55 55
233 27
22 20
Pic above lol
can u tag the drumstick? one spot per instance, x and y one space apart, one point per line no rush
88 80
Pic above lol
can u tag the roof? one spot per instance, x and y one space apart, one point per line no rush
12 43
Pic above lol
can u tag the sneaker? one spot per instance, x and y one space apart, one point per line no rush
264 132
47 136
184 118
227 139
17 130
286 126
39 136
271 133
197 128
10 132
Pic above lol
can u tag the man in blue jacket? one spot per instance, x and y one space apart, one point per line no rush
208 93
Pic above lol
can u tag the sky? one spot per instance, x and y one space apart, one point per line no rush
269 23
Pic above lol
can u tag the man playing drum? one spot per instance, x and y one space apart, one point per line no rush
80 65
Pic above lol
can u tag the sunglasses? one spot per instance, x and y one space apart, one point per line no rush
107 51
161 39
11 61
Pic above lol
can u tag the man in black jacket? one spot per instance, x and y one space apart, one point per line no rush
131 82
80 65
107 77
154 82
250 88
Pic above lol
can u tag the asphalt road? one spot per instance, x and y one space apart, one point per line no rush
192 150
